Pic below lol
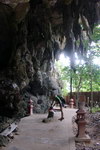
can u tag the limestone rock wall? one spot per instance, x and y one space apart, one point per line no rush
27 60
32 34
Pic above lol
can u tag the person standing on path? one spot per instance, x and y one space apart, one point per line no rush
59 101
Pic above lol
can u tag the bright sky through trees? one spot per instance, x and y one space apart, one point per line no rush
86 69
66 62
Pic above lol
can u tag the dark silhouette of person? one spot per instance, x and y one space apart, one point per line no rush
59 101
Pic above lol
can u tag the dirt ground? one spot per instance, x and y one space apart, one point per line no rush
36 135
33 134
93 130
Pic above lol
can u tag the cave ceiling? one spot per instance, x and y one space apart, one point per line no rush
65 22
32 35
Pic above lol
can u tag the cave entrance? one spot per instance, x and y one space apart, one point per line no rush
82 76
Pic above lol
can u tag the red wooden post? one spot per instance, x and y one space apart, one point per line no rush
71 103
31 107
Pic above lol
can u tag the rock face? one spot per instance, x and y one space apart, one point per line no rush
7 35
32 34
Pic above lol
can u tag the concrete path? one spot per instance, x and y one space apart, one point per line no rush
36 135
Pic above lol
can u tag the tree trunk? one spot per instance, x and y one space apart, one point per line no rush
71 82
91 89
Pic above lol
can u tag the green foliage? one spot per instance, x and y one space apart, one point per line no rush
85 75
95 109
81 78
96 33
64 77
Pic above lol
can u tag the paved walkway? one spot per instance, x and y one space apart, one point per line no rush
36 135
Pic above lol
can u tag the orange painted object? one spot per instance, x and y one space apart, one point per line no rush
30 107
71 103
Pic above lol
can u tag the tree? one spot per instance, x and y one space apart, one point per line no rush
86 76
